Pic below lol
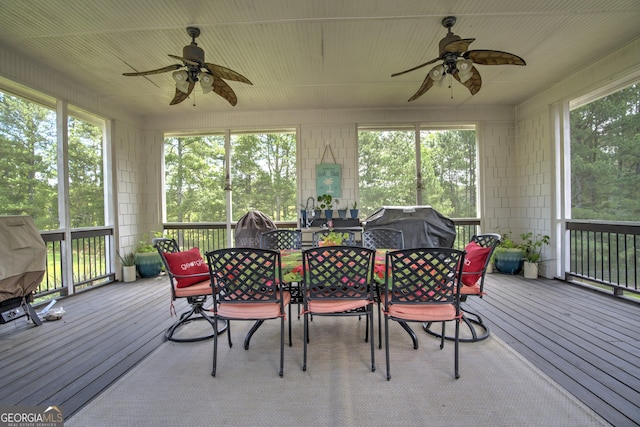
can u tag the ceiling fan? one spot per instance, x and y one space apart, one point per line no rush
209 75
458 62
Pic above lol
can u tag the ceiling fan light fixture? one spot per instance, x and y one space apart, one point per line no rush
181 78
437 74
206 82
465 69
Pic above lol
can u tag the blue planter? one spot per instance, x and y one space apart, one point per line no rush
148 264
509 261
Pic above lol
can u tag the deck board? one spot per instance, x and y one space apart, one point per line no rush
586 342
568 333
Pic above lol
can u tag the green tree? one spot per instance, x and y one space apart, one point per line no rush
387 165
28 161
605 157
386 169
194 179
264 174
449 171
86 176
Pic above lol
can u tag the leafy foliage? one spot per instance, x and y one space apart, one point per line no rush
605 157
29 165
387 170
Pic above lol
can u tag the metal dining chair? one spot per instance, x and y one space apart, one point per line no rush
477 258
249 285
383 238
281 239
423 285
338 282
192 283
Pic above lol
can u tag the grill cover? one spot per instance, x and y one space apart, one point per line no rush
250 226
422 226
23 257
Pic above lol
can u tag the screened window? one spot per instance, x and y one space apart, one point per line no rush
86 173
28 161
386 169
263 170
262 176
448 169
605 157
447 163
194 179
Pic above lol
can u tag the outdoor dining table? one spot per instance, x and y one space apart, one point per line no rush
292 275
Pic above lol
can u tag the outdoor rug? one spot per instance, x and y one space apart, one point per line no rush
174 387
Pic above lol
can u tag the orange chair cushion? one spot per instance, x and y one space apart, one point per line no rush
470 290
334 306
184 265
423 312
474 261
200 288
253 311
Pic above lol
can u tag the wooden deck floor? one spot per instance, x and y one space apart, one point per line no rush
587 342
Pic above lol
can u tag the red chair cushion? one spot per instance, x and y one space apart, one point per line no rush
474 262
184 265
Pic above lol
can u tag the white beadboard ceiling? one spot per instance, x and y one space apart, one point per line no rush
312 54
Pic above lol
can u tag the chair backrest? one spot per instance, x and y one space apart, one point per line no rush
383 238
245 275
349 237
338 272
281 239
487 240
423 275
185 268
163 245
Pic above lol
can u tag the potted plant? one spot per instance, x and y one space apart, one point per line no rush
128 262
326 203
342 213
509 256
148 261
532 245
333 239
354 210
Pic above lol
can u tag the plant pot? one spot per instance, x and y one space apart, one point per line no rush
303 218
328 213
530 270
354 213
317 214
148 264
342 213
490 267
509 260
128 273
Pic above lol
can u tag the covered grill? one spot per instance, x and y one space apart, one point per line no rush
23 257
422 226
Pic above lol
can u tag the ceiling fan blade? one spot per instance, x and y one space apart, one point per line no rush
426 85
224 90
474 83
458 46
415 68
493 57
226 73
181 96
187 61
158 71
